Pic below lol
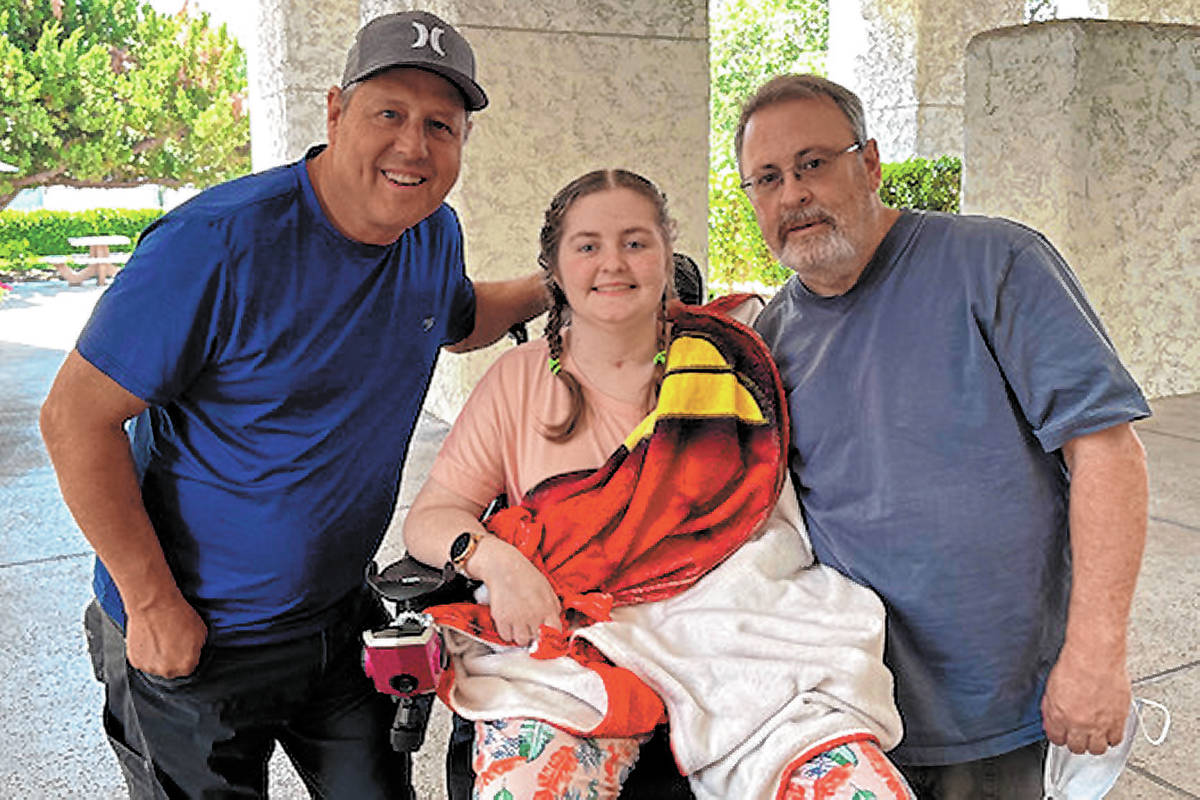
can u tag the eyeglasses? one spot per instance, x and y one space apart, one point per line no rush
812 164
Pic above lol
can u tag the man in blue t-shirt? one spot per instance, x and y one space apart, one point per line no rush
273 340
961 443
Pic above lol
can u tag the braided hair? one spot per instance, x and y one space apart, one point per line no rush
560 311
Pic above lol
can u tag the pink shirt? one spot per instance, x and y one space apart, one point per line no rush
496 443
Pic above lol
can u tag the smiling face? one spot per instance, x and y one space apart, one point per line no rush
824 228
613 259
395 148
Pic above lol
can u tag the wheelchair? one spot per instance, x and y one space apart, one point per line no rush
404 659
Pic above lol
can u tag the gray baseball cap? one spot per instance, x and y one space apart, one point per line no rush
415 39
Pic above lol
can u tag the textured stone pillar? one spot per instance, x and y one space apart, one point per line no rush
298 53
573 87
904 59
1086 130
1185 11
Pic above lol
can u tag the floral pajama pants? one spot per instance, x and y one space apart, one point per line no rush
525 759
854 771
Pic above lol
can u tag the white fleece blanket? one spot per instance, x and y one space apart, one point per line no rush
764 659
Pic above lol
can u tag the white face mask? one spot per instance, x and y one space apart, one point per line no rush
1069 776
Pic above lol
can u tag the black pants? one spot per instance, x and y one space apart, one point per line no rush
211 734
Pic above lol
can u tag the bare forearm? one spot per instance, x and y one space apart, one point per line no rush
501 304
1088 691
1108 511
428 533
96 475
520 596
82 423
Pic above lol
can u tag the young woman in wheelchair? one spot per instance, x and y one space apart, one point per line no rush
653 564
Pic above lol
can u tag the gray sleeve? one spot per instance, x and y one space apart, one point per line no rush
1056 357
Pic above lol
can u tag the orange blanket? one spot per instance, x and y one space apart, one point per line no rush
686 489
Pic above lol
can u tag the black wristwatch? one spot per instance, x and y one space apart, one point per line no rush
462 548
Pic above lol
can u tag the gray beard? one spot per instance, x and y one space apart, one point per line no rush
822 254
832 257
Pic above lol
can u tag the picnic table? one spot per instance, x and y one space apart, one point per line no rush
98 263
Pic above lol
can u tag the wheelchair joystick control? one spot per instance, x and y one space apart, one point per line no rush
404 658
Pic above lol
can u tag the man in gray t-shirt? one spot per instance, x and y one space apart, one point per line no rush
960 443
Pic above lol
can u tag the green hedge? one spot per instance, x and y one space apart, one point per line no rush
929 184
737 253
29 234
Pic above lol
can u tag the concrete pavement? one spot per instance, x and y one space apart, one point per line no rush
51 742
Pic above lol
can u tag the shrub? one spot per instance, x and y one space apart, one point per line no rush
928 184
737 252
15 255
45 233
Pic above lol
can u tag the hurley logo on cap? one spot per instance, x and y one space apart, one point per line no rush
414 39
427 37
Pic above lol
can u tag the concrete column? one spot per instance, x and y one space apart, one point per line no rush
1086 130
1183 11
904 59
573 87
298 53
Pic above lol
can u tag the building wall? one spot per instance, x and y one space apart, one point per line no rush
573 86
1086 130
904 58
590 83
1182 11
298 53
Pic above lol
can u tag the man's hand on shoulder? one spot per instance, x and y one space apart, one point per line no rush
501 304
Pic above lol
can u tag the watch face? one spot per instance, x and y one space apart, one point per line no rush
460 545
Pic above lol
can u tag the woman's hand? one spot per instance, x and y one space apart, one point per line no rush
520 596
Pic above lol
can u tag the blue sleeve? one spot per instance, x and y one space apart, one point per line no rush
462 315
462 299
1056 357
158 324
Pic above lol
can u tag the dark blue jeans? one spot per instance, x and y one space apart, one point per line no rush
211 734
1010 776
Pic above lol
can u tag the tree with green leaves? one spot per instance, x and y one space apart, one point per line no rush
750 41
111 93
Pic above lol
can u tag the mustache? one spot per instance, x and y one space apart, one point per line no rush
806 215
